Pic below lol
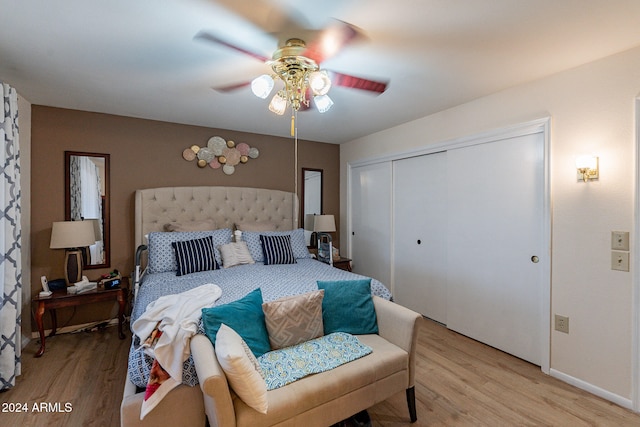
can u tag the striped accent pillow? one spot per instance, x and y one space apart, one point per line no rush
277 249
194 255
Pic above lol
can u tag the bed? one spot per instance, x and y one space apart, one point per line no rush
258 212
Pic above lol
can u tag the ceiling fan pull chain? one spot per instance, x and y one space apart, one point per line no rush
293 122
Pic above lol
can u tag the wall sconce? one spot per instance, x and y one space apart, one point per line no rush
587 167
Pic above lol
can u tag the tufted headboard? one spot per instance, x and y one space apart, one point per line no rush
155 207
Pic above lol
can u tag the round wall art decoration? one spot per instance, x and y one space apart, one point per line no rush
220 153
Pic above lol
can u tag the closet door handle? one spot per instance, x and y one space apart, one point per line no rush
419 241
535 259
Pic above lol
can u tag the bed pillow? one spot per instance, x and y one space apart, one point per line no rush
241 368
347 306
161 257
298 243
293 320
194 255
244 316
235 253
277 250
201 225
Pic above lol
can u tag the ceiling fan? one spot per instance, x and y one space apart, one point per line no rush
296 64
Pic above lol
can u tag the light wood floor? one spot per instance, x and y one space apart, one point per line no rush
459 382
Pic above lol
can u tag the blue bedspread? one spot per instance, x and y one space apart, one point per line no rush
275 281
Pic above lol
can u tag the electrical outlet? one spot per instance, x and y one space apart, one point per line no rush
620 260
562 323
620 240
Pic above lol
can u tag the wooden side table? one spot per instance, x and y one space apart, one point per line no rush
342 263
61 299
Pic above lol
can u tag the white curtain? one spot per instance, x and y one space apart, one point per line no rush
92 202
86 200
10 240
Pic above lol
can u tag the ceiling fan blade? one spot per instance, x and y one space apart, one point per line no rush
203 35
266 14
230 88
346 80
331 40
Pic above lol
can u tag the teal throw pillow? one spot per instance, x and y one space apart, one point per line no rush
244 316
347 306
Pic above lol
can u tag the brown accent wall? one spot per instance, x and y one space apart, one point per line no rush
145 154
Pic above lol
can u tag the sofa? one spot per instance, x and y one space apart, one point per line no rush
328 397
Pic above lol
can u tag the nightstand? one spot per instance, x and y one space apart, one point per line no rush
61 299
342 263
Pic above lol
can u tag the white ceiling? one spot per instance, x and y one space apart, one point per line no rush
139 58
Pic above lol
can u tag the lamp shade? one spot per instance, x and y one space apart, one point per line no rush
319 82
323 103
587 162
96 228
324 223
308 222
262 85
72 234
278 103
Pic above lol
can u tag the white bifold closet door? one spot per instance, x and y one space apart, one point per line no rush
495 226
420 234
468 225
371 221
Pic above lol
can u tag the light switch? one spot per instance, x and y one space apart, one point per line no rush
620 240
620 260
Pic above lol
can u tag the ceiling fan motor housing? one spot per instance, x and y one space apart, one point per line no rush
293 68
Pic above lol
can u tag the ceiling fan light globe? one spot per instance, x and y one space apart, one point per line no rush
319 82
323 103
278 104
262 86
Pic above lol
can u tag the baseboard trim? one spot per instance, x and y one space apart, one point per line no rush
75 328
612 397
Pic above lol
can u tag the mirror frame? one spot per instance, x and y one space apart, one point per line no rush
105 204
302 192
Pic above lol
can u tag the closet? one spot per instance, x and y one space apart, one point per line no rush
370 220
420 234
469 244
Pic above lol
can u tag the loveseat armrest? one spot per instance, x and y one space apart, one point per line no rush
213 382
399 325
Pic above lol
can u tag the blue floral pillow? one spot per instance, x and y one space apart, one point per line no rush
161 254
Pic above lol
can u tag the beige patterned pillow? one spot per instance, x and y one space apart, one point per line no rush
293 320
201 225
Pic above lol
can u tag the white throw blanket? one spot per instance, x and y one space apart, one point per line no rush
176 317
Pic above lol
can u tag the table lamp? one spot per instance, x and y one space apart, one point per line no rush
72 235
323 225
308 229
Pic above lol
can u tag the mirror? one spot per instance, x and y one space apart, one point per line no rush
311 196
87 198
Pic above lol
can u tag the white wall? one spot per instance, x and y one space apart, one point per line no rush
592 111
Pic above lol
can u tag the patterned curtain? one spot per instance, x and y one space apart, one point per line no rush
10 240
75 192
